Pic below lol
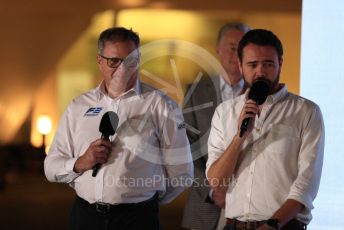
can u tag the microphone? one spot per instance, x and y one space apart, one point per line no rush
259 92
107 127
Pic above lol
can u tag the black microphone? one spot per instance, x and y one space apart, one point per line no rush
259 91
107 127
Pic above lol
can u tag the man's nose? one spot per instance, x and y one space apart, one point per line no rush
261 70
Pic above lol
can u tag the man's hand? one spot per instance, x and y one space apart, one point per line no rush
250 110
219 197
97 152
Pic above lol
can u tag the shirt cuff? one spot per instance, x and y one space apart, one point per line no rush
69 166
69 175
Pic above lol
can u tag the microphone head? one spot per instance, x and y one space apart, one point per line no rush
108 124
259 91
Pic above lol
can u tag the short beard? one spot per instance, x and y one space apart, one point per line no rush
273 85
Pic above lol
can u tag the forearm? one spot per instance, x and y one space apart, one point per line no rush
287 211
223 168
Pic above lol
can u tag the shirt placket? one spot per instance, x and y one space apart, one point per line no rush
115 105
251 169
112 105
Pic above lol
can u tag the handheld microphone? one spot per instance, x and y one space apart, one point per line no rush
107 127
259 92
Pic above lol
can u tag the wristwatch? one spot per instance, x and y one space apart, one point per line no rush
273 223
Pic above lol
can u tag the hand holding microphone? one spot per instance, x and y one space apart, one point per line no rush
99 150
258 93
107 128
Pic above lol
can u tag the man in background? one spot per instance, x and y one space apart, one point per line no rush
204 207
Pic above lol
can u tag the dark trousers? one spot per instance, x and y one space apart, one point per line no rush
143 215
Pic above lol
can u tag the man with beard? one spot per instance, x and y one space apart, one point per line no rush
148 152
272 171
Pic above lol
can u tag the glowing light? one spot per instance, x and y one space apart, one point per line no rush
44 124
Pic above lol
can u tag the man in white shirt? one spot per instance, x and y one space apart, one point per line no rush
204 208
272 172
148 160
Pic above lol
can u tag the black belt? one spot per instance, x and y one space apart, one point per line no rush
105 208
243 225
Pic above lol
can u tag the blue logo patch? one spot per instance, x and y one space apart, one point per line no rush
93 111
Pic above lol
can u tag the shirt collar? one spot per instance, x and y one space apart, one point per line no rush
279 95
223 84
100 90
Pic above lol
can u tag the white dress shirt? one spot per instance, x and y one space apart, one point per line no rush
229 91
281 159
150 149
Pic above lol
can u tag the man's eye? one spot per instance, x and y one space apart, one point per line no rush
115 60
232 49
269 64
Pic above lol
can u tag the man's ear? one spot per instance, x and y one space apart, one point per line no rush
217 50
281 61
98 58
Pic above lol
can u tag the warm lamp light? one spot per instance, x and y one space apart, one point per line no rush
44 124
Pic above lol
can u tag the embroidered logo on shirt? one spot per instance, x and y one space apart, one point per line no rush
93 111
181 125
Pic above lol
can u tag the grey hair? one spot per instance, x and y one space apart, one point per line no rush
231 26
117 34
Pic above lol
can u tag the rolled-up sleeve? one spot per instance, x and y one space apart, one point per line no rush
59 163
306 185
216 145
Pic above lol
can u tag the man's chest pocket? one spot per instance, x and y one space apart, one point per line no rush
282 141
